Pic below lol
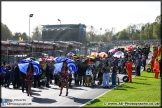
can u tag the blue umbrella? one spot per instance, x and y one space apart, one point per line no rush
71 64
23 65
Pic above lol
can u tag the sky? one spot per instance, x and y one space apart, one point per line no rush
101 14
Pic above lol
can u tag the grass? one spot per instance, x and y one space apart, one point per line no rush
144 88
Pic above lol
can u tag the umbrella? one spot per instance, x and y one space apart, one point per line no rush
50 58
70 54
113 51
71 64
94 54
23 65
102 54
91 57
119 54
128 48
41 59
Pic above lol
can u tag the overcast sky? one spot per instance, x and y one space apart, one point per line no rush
103 15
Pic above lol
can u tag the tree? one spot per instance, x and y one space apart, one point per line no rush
36 34
6 34
123 35
158 19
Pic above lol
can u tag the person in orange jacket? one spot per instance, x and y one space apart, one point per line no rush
159 51
155 52
152 63
156 68
129 69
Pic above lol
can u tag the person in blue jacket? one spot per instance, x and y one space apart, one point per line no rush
11 77
2 73
7 74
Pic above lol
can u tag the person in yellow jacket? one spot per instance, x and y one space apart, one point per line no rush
156 68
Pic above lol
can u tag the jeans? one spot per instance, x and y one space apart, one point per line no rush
9 81
106 77
24 85
114 78
47 83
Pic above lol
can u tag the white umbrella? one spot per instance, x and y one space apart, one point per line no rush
119 54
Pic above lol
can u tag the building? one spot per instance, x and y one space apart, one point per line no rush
64 32
12 51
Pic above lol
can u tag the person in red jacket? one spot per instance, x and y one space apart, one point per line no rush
129 69
152 63
156 68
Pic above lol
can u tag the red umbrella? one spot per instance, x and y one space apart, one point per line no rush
41 59
50 58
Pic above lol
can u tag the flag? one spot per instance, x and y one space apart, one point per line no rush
19 38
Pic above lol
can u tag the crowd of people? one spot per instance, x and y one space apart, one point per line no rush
102 68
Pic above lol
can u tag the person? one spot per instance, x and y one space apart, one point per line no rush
51 69
23 82
37 80
129 69
48 74
106 75
16 76
64 77
7 75
160 66
114 73
159 51
155 52
2 73
156 68
30 77
100 74
137 66
152 63
11 78
144 62
120 64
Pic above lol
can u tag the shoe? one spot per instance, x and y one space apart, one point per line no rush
28 95
60 93
23 91
66 93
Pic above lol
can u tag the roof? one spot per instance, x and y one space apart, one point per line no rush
65 25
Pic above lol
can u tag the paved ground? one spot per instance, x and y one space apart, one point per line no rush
50 96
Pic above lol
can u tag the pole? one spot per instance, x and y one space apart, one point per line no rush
7 56
32 51
29 30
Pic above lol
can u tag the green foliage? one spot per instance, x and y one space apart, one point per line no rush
18 34
5 32
144 88
132 32
36 34
123 35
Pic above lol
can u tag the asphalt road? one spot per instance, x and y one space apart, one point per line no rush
46 97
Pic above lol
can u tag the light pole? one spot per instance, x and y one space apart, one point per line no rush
31 15
60 26
100 33
8 55
60 22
